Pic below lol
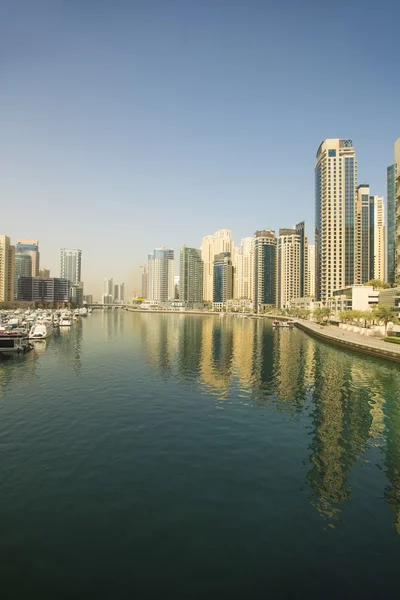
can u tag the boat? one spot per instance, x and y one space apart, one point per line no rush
65 320
14 341
40 331
276 323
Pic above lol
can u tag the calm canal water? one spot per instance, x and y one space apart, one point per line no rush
148 455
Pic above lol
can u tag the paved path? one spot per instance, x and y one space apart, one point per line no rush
368 345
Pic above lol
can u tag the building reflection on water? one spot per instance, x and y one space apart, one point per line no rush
343 396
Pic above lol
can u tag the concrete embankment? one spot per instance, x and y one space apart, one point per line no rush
174 312
352 341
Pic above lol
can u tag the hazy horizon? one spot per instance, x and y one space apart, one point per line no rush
127 126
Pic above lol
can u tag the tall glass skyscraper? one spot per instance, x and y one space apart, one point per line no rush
222 277
191 276
265 269
335 199
160 275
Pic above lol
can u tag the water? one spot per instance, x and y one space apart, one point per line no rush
146 455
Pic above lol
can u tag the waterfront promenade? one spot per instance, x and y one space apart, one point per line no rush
348 339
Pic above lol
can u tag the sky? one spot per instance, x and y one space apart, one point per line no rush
129 125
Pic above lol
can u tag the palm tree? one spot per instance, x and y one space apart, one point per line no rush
386 315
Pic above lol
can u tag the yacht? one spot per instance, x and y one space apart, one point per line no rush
40 331
13 340
66 320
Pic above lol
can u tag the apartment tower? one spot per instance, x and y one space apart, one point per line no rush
160 275
71 263
290 267
264 269
191 276
397 192
211 246
335 199
31 248
7 269
245 269
222 277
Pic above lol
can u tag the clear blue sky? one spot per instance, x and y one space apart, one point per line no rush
128 125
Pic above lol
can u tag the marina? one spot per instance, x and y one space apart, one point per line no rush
177 439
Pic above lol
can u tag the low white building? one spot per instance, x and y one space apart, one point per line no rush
354 297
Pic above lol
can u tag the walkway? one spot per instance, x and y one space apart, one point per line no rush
349 339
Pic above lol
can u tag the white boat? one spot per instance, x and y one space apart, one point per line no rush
66 320
40 331
13 341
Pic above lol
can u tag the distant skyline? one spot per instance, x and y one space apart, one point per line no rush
127 126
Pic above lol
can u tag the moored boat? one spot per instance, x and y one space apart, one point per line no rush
13 341
40 331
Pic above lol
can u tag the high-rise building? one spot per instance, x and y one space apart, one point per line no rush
397 189
245 269
144 281
211 246
370 236
335 198
7 269
160 275
391 223
107 296
71 263
310 291
290 266
45 273
119 293
300 229
264 269
222 277
30 247
23 268
88 298
76 294
191 276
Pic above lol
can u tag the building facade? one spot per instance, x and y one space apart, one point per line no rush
160 275
222 277
335 199
191 276
397 191
290 267
245 270
45 273
370 236
144 281
391 224
310 291
107 296
54 290
7 269
71 264
23 268
30 247
211 246
119 293
265 274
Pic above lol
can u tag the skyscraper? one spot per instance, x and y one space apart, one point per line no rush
222 277
290 266
370 236
211 245
391 223
119 293
310 291
335 197
7 269
71 265
245 269
397 190
30 247
23 268
300 229
264 269
144 281
191 276
107 296
160 275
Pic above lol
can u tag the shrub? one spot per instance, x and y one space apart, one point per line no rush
393 340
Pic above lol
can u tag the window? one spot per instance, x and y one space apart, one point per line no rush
331 152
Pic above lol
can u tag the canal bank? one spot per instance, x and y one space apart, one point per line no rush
350 340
